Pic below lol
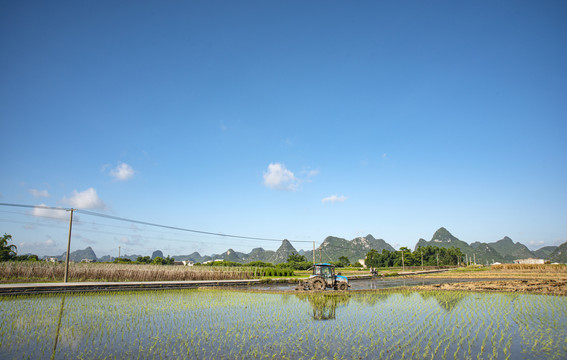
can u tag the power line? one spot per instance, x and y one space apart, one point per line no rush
92 213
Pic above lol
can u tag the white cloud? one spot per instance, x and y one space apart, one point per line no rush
122 172
58 214
39 193
280 178
311 173
334 199
87 199
536 244
39 245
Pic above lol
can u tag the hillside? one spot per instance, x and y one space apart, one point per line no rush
283 252
259 254
510 250
77 255
482 252
333 247
559 255
544 252
504 250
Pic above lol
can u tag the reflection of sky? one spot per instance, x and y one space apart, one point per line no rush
208 324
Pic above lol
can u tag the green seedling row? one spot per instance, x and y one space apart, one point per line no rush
221 324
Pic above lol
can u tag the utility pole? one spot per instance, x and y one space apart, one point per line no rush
321 254
403 266
313 252
68 246
474 258
119 251
421 260
437 259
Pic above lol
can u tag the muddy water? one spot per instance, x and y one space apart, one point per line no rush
370 284
220 324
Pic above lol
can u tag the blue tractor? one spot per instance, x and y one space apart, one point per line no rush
324 277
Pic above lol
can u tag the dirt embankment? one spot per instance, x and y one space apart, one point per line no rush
537 286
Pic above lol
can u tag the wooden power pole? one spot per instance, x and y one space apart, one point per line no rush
68 246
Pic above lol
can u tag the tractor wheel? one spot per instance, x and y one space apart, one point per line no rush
318 284
343 286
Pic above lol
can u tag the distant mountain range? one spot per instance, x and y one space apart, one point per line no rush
504 250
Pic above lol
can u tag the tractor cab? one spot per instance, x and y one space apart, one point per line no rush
324 277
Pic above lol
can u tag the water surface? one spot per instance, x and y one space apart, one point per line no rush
207 324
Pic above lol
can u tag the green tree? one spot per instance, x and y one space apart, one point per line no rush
26 258
296 258
7 252
158 260
344 261
144 260
161 261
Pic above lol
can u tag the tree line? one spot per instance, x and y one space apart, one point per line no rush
426 256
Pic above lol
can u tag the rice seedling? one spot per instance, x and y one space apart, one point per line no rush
229 324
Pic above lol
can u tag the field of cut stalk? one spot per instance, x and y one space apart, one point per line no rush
507 271
15 272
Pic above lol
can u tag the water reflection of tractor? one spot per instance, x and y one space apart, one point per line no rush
324 306
324 277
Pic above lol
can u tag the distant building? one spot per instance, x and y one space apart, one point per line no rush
361 261
53 260
211 261
530 261
88 260
188 263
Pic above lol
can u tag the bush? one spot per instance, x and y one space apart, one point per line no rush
304 265
270 271
260 264
26 258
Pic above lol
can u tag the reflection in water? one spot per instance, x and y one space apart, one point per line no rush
209 324
58 327
325 306
447 300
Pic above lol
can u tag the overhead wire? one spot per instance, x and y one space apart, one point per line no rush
117 218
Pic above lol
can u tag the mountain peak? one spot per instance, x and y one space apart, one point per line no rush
507 240
443 235
283 252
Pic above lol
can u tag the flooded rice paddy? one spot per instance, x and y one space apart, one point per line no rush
206 324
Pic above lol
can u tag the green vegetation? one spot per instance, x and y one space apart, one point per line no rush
206 324
7 251
559 255
431 255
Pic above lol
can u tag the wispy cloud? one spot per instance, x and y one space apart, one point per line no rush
57 214
46 245
39 193
122 172
311 173
334 199
87 199
280 178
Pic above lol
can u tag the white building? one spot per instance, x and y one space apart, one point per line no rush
530 261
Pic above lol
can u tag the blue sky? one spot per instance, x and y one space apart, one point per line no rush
283 119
